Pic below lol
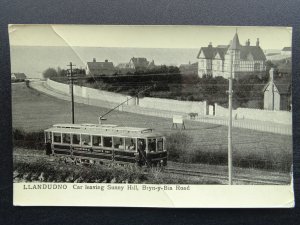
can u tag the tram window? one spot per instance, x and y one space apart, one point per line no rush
76 139
107 142
97 141
66 138
130 144
160 144
119 143
57 137
86 139
151 144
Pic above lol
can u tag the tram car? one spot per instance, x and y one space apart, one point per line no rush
106 143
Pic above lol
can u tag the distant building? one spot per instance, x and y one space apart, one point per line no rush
277 93
100 68
18 77
138 63
216 61
191 68
286 51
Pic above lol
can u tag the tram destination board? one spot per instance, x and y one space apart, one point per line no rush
152 116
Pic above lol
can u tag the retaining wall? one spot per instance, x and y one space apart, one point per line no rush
152 103
174 105
283 117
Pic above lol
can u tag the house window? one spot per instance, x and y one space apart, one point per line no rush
256 66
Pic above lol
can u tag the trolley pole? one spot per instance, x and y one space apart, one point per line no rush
230 123
71 79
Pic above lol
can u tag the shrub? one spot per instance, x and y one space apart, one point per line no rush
29 140
177 145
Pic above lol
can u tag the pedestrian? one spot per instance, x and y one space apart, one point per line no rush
48 147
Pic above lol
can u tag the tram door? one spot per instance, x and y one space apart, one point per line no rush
141 146
48 136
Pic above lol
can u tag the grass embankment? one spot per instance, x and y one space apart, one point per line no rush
181 149
273 158
45 171
199 143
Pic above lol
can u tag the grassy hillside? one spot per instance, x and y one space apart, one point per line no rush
207 143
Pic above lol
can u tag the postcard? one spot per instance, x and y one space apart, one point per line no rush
152 116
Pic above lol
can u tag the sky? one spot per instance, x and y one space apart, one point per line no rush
141 36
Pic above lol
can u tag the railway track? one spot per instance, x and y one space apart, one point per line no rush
238 179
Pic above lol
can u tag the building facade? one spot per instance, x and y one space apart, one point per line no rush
245 59
277 93
95 68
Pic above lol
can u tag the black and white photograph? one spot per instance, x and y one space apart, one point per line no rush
140 115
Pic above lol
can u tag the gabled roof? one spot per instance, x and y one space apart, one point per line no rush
256 52
139 62
99 67
210 52
19 75
287 49
282 84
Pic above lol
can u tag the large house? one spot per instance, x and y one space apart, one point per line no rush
140 64
99 68
245 59
277 93
135 64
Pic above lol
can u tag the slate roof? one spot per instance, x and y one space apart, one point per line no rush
283 85
246 52
235 44
210 52
98 68
139 62
255 51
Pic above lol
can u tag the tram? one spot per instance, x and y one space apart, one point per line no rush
104 143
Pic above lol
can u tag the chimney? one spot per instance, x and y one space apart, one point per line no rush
271 74
248 42
210 44
106 60
257 42
94 59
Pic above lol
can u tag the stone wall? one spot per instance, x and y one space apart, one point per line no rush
91 94
283 117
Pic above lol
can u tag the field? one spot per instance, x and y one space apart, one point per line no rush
200 142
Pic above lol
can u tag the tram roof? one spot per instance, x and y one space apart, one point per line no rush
103 129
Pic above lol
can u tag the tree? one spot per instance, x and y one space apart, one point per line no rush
50 72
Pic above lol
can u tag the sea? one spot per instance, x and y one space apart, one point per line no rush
34 60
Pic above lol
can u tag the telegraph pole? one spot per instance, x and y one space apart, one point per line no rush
230 123
71 82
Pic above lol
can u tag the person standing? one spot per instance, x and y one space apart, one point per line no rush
48 148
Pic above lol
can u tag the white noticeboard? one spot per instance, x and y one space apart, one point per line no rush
177 119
